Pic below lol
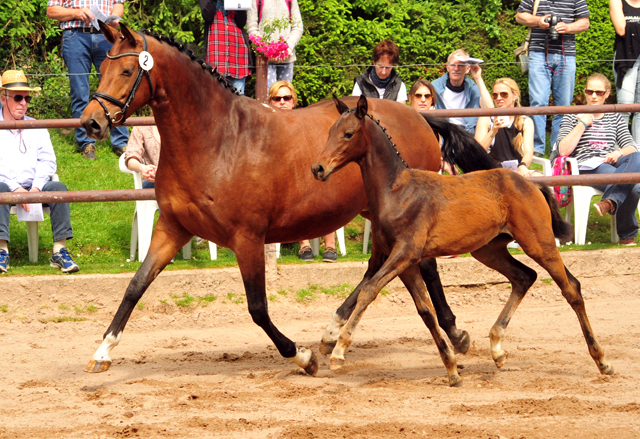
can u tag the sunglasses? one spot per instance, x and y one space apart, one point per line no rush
19 98
502 94
420 96
599 93
282 98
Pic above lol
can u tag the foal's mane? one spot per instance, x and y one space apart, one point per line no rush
389 139
182 48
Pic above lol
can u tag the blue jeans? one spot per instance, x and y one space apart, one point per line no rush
279 72
630 94
60 214
80 51
542 80
237 83
624 196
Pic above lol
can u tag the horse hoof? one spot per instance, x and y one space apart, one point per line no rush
455 381
606 369
312 367
336 364
501 360
462 346
97 366
326 347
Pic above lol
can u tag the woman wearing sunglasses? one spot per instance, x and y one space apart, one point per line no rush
602 144
422 96
282 95
508 139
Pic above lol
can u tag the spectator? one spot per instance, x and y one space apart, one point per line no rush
592 140
455 91
226 44
271 13
552 58
422 96
626 21
381 80
143 152
28 164
82 46
507 138
282 95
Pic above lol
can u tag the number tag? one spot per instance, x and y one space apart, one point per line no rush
146 60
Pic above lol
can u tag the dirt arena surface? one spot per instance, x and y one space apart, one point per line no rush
209 372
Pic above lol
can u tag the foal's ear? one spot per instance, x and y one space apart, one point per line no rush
362 108
127 34
341 106
110 33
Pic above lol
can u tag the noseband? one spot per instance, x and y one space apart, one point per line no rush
121 116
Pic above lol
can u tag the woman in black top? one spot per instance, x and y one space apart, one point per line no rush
381 80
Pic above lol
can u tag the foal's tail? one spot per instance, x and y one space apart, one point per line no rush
459 147
561 229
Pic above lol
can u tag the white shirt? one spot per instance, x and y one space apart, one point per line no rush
454 101
31 168
402 93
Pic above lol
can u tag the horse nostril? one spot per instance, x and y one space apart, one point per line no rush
318 171
94 125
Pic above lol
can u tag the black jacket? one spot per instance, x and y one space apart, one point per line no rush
627 51
369 90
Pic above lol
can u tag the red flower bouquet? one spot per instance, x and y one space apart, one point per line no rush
271 49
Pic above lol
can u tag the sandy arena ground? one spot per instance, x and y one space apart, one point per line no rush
209 372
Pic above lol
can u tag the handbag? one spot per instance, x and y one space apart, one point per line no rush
561 166
522 51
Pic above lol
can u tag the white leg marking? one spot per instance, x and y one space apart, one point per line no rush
303 357
109 342
333 330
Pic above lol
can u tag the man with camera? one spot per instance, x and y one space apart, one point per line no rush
552 57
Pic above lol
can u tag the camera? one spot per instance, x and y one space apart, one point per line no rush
553 20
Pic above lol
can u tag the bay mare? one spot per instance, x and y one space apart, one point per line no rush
236 172
419 214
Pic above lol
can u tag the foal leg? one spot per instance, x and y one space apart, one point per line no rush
166 242
446 318
495 255
249 251
412 280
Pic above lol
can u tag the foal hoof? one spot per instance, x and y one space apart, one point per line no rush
455 381
462 344
336 364
501 360
97 366
326 347
312 368
606 369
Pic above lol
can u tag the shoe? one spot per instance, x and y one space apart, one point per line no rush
4 261
628 242
89 151
538 154
605 206
63 260
330 255
118 150
306 254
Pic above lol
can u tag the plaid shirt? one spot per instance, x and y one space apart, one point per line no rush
106 6
226 49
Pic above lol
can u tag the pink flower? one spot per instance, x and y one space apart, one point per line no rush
273 49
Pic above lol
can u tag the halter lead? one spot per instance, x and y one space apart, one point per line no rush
121 116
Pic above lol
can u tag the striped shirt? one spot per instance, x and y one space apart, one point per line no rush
106 6
566 10
599 139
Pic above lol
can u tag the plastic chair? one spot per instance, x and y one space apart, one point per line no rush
142 225
315 244
32 228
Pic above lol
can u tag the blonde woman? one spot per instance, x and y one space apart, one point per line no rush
508 139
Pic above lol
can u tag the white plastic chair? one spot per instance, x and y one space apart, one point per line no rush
32 228
142 225
315 244
580 203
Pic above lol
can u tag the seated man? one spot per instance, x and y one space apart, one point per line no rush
27 163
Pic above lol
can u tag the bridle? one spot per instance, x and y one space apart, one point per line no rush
121 116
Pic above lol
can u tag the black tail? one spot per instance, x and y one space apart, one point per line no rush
561 229
459 147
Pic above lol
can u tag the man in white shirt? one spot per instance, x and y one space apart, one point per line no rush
27 164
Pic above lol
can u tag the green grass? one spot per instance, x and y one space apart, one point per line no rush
62 319
4 308
103 230
185 300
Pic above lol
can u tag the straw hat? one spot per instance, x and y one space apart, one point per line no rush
15 80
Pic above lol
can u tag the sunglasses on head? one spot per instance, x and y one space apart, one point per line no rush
420 96
502 94
282 98
589 92
19 98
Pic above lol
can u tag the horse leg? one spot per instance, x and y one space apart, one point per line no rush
165 244
446 319
414 283
250 254
342 314
495 255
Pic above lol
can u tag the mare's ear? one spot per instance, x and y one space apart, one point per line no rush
362 108
341 106
127 34
110 33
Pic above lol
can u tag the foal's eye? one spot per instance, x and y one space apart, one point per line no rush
348 135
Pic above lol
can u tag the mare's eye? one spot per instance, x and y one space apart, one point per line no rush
348 135
127 72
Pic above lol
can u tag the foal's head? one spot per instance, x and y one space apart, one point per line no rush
345 143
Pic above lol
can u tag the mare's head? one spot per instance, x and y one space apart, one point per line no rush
345 143
127 82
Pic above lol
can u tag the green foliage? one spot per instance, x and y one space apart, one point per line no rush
185 300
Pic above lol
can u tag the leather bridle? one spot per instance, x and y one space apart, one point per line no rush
121 116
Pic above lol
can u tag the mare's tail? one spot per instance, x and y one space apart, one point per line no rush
561 229
459 147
